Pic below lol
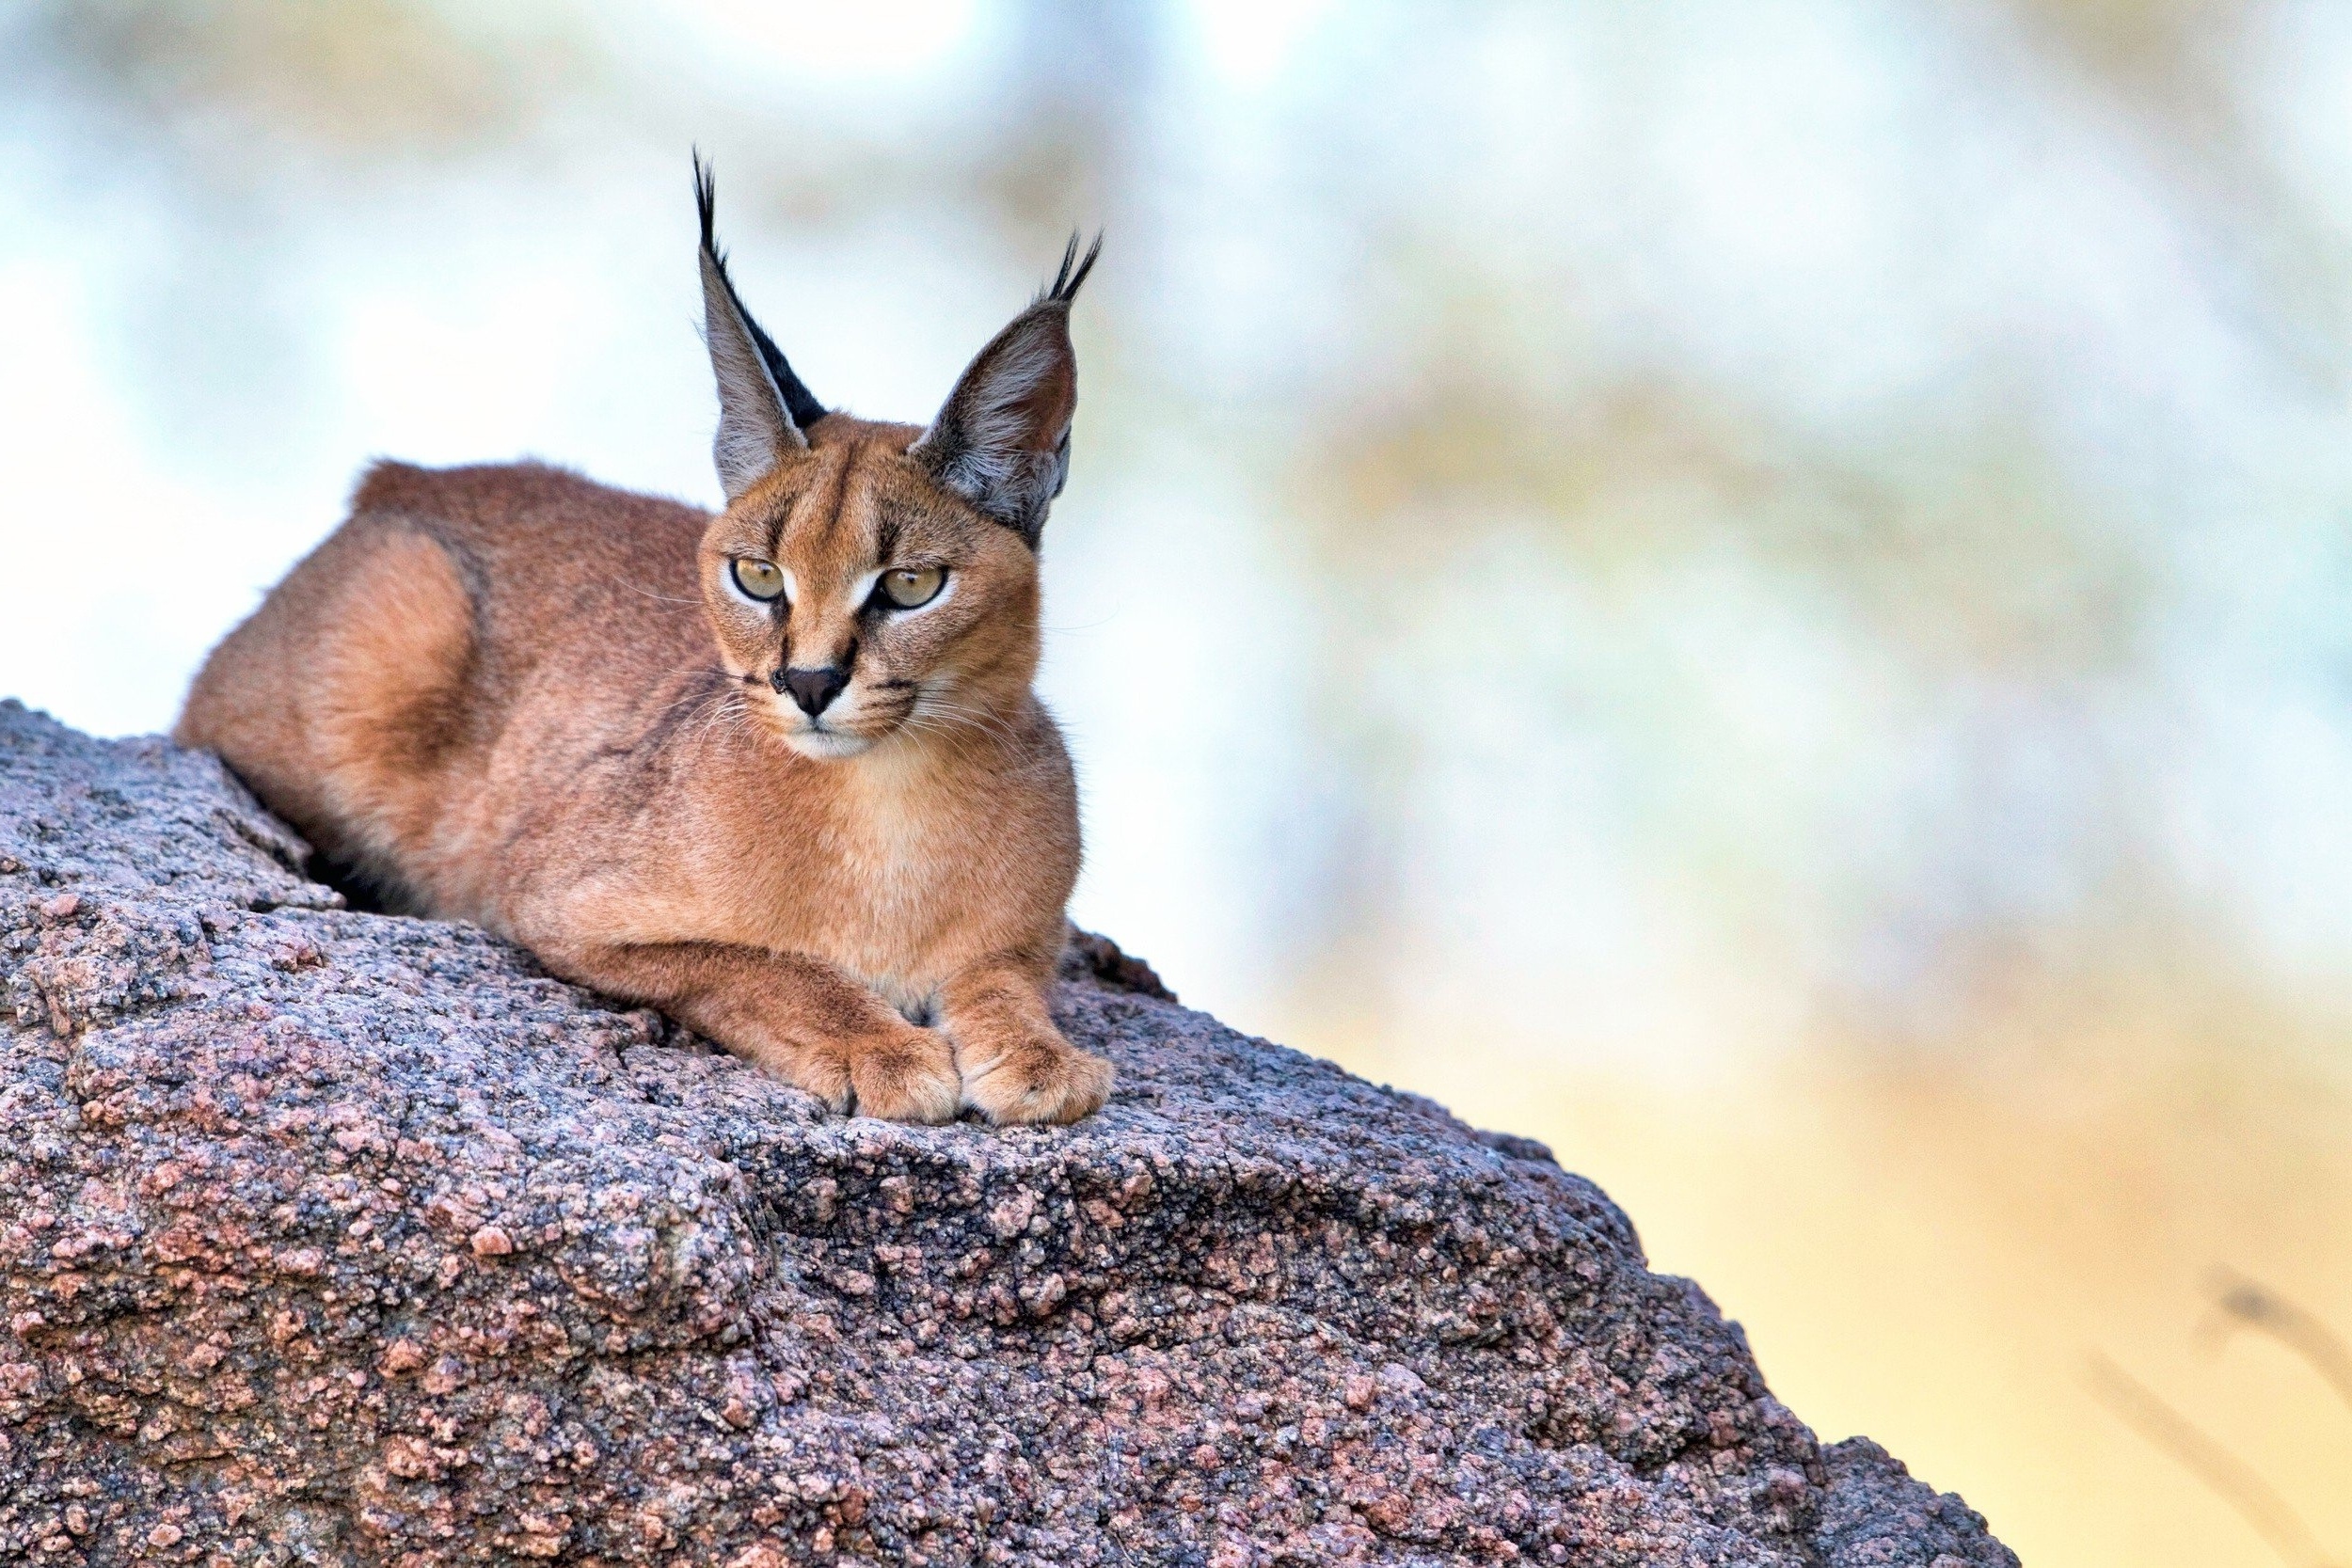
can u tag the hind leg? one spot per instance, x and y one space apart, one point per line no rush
393 698
342 699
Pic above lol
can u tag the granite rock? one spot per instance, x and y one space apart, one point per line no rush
335 1237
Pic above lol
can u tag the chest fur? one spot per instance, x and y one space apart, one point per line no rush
867 868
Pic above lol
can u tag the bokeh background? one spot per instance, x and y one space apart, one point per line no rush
1756 589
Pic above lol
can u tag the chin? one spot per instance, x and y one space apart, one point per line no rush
826 745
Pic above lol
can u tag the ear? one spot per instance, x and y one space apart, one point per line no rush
763 408
1002 442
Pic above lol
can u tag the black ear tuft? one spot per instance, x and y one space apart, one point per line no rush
1064 288
1002 441
706 199
799 401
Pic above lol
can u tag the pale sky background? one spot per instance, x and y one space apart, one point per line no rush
1756 588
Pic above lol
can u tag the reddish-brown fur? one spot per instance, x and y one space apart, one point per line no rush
513 696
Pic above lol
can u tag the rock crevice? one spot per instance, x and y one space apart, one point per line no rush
337 1237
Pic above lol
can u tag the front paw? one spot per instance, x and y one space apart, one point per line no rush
907 1075
1033 1079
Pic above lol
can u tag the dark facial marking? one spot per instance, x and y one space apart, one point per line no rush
776 524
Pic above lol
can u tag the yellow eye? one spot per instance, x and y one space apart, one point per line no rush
761 579
907 589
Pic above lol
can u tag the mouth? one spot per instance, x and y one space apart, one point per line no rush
815 741
813 737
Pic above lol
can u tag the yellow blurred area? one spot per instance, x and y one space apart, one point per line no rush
1934 1262
1953 1250
1759 592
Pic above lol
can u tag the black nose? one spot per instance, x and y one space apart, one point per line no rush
813 690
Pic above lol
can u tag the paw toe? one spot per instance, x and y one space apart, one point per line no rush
917 1083
1055 1086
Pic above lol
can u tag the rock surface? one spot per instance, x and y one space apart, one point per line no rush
332 1237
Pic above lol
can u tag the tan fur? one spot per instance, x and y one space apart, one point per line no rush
513 696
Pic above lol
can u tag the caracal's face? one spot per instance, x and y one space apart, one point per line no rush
855 600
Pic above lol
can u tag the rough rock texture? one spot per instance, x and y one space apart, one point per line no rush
330 1237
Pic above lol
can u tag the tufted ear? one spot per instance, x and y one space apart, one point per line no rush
763 408
1002 442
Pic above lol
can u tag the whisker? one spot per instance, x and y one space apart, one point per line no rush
978 717
665 599
932 704
681 714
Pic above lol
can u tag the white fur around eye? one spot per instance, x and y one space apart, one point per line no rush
862 590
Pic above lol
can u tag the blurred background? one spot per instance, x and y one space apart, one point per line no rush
1756 589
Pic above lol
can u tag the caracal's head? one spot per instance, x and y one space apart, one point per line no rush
871 580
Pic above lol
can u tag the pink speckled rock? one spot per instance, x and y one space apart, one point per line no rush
330 1237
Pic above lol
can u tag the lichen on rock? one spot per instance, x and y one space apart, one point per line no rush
337 1237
